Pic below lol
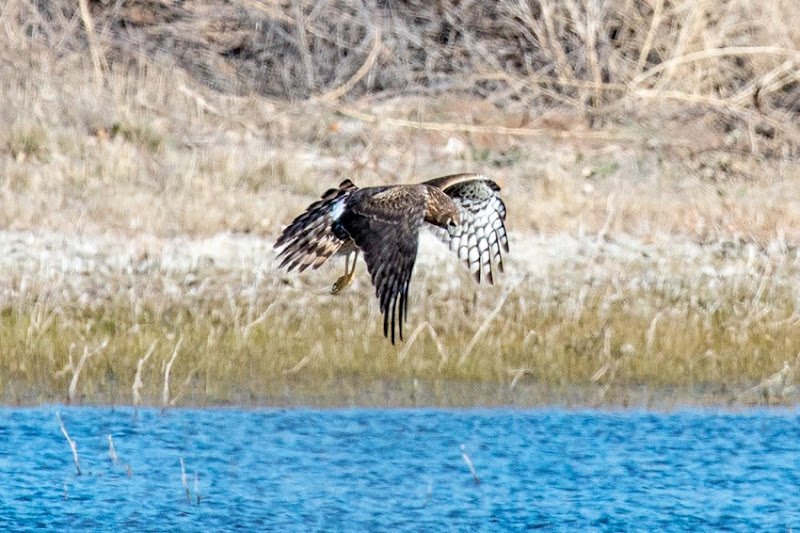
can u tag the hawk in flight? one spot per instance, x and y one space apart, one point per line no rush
384 222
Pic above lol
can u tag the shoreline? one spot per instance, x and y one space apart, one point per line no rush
467 396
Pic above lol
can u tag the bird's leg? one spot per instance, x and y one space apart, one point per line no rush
349 274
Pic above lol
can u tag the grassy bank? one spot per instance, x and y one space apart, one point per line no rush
597 323
150 153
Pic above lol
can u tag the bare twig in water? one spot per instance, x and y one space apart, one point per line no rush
71 442
428 494
111 451
185 483
115 458
470 465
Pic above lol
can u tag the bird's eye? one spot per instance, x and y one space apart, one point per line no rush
452 226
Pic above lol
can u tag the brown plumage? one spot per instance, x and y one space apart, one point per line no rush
384 222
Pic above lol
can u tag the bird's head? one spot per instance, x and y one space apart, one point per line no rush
451 221
442 211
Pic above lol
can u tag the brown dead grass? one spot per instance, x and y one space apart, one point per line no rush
573 321
663 124
668 141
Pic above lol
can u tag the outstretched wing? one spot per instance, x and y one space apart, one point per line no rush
480 239
309 240
384 222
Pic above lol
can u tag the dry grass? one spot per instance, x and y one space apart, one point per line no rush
658 140
596 322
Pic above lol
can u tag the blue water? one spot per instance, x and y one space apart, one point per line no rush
374 470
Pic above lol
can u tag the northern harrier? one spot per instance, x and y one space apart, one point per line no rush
383 223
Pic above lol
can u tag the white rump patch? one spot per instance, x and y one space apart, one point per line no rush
338 208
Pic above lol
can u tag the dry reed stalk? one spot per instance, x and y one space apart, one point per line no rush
302 43
651 334
789 129
580 302
335 94
98 59
687 30
167 370
754 312
316 351
541 85
201 102
608 362
236 310
553 43
774 80
256 321
523 11
655 22
537 81
137 380
610 213
184 387
518 373
277 14
413 337
730 51
485 325
775 385
299 366
496 130
40 322
588 30
72 445
252 300
73 386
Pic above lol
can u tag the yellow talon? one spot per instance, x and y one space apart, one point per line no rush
342 282
349 274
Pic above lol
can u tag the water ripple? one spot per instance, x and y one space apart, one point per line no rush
364 470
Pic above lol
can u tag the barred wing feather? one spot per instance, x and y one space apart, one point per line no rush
480 240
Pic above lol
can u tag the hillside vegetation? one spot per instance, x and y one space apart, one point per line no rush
150 152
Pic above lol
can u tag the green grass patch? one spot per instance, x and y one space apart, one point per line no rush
565 339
